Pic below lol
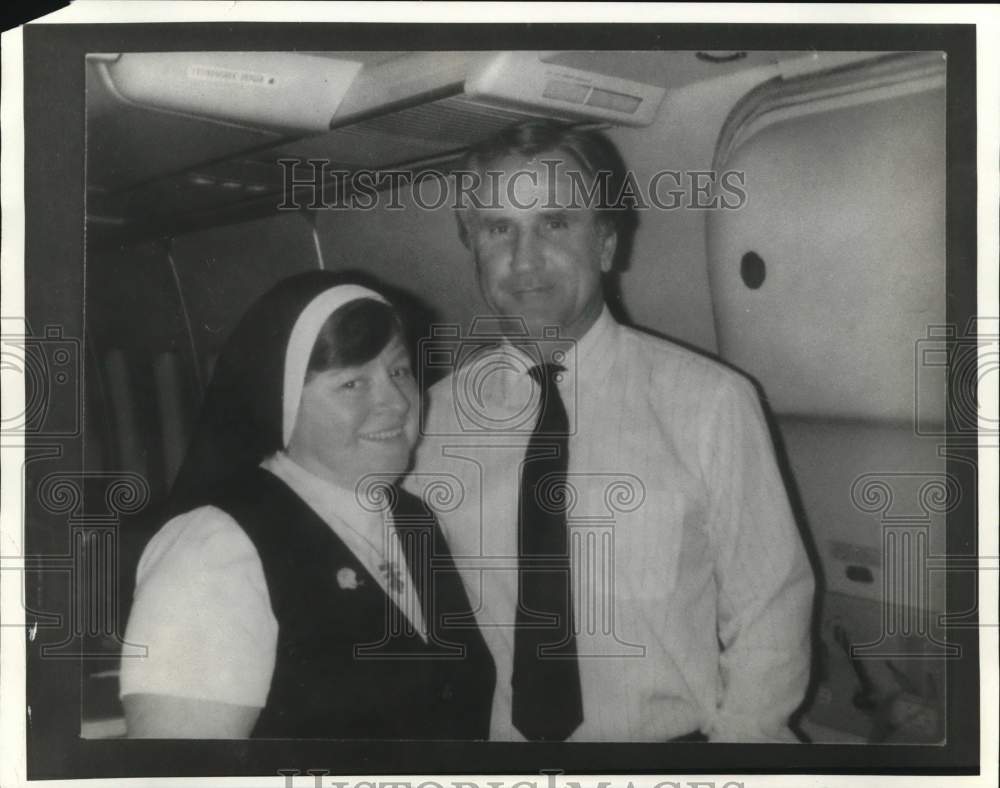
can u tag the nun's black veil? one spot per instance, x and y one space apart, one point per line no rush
241 416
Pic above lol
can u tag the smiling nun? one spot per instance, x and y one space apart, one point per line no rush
298 592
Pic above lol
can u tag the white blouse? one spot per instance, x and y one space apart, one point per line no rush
202 625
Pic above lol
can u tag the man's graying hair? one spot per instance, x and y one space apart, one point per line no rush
588 149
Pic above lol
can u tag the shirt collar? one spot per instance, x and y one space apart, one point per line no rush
593 348
495 382
331 502
588 349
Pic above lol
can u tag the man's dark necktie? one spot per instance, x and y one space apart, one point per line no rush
547 703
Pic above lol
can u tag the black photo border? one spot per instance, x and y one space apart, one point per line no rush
54 280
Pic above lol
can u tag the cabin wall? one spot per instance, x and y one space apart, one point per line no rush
412 248
834 316
222 270
846 210
666 287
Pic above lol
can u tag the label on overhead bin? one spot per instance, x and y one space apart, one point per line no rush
231 76
285 90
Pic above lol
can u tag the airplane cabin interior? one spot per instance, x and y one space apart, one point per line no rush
826 286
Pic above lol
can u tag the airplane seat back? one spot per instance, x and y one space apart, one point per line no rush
828 287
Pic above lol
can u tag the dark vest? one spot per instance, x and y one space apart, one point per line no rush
349 665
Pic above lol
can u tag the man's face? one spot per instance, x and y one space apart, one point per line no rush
538 256
354 421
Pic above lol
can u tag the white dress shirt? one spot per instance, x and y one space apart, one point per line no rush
692 590
201 624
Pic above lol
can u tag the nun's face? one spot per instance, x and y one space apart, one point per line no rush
356 421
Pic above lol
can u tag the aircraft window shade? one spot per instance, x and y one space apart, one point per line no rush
846 206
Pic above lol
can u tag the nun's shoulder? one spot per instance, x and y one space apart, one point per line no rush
202 540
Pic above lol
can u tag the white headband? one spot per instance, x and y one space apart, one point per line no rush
300 345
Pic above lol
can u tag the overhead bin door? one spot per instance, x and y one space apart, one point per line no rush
827 286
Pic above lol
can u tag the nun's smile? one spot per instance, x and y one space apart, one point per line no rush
356 421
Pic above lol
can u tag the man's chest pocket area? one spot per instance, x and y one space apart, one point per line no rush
646 543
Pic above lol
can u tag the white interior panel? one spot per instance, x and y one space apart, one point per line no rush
846 210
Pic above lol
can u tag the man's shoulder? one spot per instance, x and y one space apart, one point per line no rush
671 360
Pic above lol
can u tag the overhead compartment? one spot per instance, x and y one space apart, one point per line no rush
351 110
280 90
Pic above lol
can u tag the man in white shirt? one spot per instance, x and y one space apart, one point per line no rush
691 591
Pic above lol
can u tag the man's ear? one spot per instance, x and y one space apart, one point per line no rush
608 246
